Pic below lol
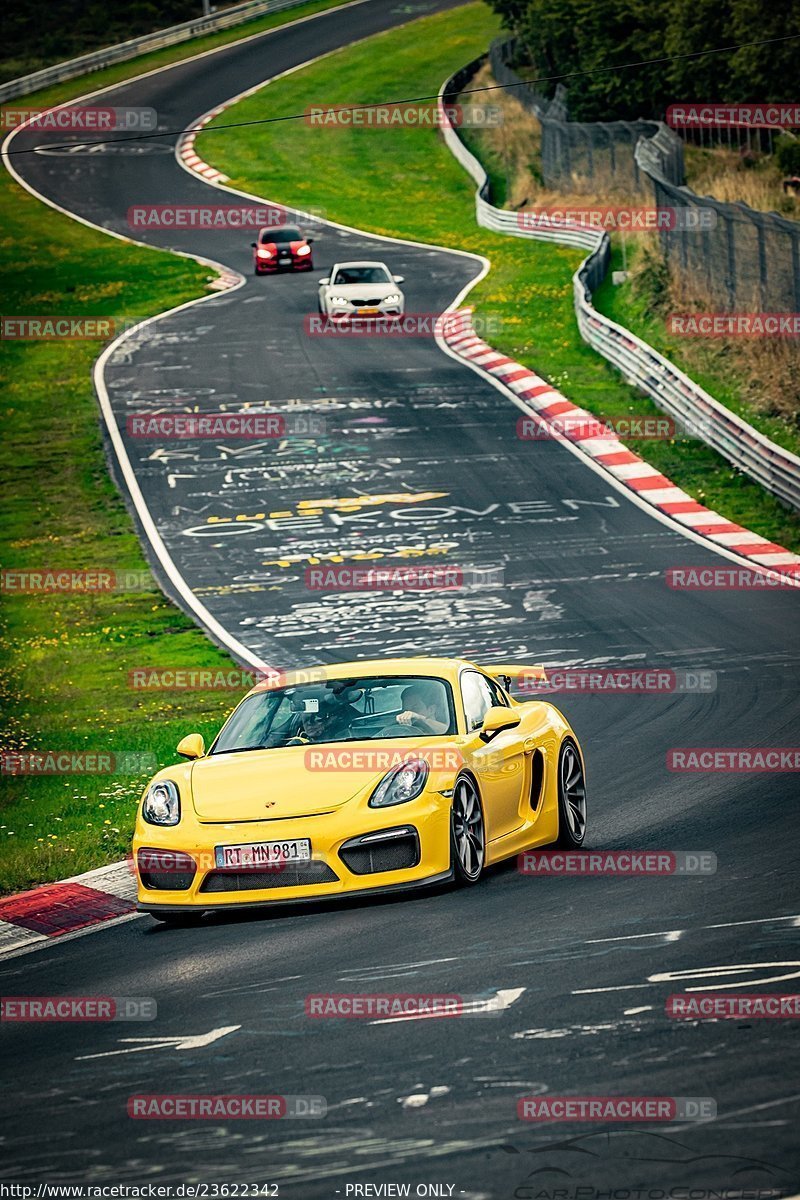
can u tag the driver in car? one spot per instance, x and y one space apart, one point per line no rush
421 704
330 722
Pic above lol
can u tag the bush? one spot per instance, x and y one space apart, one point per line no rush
787 153
591 36
650 279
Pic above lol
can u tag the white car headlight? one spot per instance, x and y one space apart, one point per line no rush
404 782
162 804
303 249
395 298
339 300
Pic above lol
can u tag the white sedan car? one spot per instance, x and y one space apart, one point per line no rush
361 289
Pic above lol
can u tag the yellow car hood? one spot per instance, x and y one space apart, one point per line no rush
259 785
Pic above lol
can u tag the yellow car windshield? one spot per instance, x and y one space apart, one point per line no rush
340 710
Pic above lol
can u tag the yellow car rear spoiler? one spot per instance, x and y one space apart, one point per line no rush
532 678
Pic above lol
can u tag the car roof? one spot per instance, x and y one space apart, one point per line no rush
278 228
361 262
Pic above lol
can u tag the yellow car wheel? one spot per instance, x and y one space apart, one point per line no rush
571 797
468 833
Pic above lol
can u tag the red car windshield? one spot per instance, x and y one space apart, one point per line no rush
282 233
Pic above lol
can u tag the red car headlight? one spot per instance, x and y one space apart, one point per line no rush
304 250
261 252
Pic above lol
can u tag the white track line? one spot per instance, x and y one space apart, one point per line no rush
574 448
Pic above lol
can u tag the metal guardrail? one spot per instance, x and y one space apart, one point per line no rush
776 469
236 15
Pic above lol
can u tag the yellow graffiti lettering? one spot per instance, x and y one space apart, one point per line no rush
292 560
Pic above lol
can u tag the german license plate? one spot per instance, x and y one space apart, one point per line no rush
263 854
368 312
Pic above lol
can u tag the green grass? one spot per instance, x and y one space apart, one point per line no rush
404 182
707 364
66 658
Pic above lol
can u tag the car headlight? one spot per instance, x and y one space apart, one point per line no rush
304 250
262 253
339 300
393 299
162 804
402 783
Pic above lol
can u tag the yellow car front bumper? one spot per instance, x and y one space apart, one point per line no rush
331 835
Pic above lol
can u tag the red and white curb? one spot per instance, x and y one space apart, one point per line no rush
189 158
188 155
56 910
226 279
547 404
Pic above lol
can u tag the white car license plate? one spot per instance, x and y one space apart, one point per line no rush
368 312
263 854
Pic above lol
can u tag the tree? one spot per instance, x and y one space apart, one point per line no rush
583 38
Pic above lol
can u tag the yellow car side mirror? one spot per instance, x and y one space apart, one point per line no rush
497 719
192 746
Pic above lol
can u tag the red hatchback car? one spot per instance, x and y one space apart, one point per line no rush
282 248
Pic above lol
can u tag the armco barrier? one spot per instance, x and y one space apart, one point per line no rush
689 405
236 15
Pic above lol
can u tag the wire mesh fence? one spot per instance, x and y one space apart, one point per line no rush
733 256
771 465
742 260
581 156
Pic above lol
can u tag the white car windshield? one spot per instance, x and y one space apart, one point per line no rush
362 275
341 710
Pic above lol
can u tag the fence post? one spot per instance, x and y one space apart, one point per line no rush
612 154
730 280
564 145
762 263
706 245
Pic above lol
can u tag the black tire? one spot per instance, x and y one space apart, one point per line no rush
467 833
571 797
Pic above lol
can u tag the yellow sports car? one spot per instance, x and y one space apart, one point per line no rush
364 777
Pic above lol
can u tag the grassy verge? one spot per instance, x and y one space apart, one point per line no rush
66 658
757 378
760 380
731 175
404 182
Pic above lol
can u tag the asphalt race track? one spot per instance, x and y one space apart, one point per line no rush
587 963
